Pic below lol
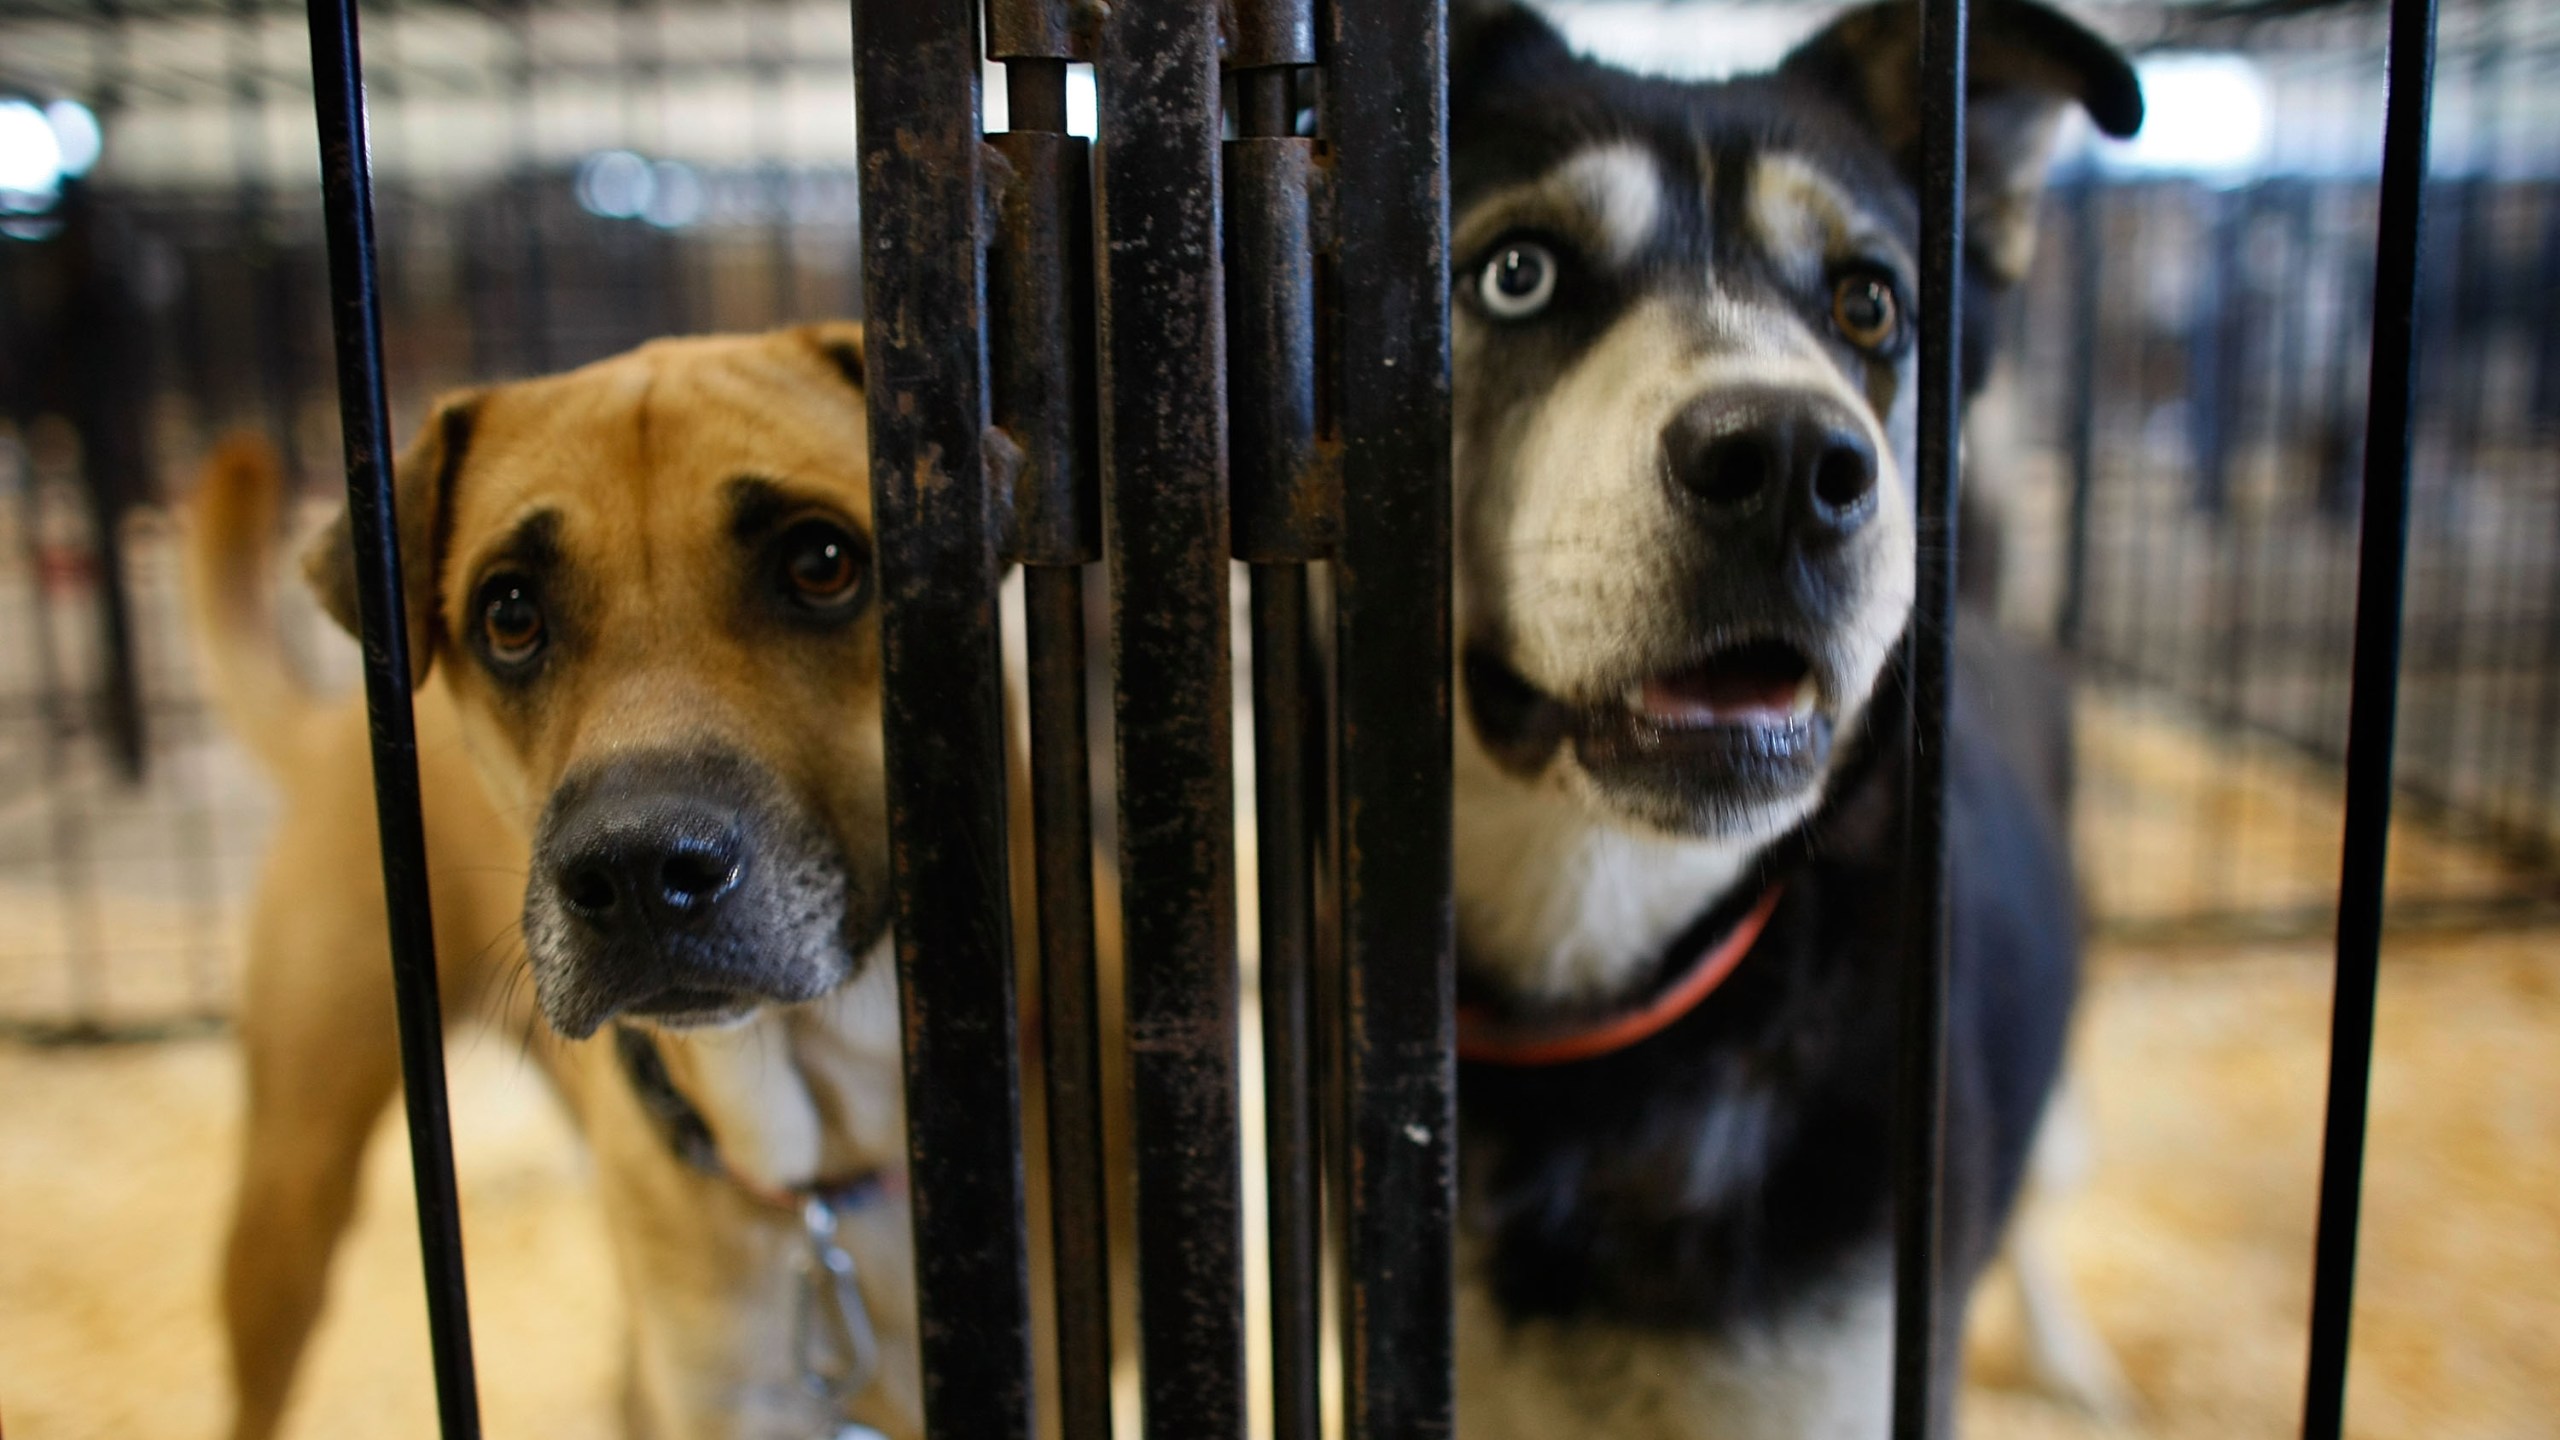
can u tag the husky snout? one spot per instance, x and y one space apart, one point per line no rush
1791 467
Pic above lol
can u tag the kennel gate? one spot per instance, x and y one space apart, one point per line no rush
1063 348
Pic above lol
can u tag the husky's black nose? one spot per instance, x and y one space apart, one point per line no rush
637 860
1775 457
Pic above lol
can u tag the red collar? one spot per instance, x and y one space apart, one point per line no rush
1487 1040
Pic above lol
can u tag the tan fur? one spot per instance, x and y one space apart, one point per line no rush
632 454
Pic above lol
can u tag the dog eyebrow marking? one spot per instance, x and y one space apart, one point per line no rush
1805 221
1622 191
1608 199
532 546
758 504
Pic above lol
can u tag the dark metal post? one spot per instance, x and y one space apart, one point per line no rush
337 83
1287 514
1040 362
1387 106
1162 319
2381 574
916 95
1920 1402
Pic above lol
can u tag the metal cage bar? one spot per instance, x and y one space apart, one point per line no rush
1040 361
916 98
1386 104
1921 1403
1160 303
337 87
1287 513
2382 560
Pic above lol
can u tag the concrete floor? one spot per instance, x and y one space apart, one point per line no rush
2202 1071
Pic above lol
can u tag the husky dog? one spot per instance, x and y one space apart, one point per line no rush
1684 357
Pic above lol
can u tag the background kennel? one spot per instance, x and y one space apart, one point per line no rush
2173 451
2174 443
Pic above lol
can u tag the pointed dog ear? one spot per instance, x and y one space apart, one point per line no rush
839 343
422 492
2026 64
1497 44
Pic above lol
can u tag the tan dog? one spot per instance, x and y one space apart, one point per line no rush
640 607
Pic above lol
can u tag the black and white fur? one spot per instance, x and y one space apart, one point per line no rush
1684 437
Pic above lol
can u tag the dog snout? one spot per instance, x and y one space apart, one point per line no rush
635 865
1787 461
685 886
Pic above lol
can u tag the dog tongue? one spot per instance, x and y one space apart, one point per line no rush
1756 685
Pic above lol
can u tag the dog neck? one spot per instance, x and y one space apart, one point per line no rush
800 1095
1558 906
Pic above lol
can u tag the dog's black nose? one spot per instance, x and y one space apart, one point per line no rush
648 861
1791 458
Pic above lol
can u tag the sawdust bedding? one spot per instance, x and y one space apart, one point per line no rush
2202 1070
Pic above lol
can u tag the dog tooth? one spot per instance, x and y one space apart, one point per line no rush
1807 696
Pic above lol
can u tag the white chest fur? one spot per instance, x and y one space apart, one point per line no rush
1821 1372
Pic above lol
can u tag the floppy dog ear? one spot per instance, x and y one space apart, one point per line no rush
2027 63
422 486
839 343
1496 44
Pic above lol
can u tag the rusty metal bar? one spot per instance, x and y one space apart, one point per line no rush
1040 314
1288 496
1287 511
1266 33
1386 105
355 314
2382 560
1921 1404
1042 30
1162 323
916 97
1281 728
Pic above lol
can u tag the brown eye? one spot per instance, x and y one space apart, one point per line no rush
822 567
1864 311
510 619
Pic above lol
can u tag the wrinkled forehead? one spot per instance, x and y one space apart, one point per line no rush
660 440
1727 213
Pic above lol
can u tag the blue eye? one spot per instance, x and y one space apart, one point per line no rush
1518 281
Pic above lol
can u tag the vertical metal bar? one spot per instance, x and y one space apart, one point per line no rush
1062 823
1163 330
346 189
2542 427
1039 303
2221 689
1281 726
2081 435
1387 104
916 94
1920 1401
2381 575
523 191
1287 512
75 879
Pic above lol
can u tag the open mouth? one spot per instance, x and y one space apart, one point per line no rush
1702 747
1758 683
692 1005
